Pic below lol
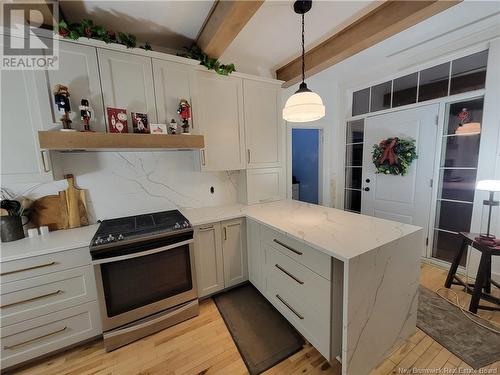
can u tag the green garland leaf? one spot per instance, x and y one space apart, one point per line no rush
196 53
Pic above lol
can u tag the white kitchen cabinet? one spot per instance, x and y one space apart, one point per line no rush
22 159
255 257
263 124
261 185
234 250
218 109
78 69
127 82
220 255
173 82
208 259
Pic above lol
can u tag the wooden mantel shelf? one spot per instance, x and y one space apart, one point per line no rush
70 141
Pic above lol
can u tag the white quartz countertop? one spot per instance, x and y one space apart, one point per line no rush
340 234
52 242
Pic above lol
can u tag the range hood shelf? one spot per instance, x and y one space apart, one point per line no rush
71 141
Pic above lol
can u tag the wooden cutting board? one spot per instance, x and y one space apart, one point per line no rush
63 211
49 211
74 200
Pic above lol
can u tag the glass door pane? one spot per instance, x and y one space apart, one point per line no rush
458 168
353 165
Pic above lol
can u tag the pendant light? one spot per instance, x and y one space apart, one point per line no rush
305 105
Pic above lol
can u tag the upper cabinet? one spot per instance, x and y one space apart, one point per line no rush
173 81
218 108
79 71
127 82
22 160
263 125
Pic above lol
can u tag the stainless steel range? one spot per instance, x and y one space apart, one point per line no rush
145 275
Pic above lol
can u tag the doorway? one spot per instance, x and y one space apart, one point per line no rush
306 164
406 199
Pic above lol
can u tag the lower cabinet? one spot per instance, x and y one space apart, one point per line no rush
220 255
47 302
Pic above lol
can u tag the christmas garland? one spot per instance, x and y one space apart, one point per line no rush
87 29
196 53
394 155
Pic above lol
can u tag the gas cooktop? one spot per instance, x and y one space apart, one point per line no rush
140 227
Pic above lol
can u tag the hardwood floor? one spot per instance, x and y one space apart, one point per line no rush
203 345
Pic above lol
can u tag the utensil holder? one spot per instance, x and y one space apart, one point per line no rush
11 228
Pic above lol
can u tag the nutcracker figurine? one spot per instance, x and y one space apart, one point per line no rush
61 98
172 127
85 114
184 111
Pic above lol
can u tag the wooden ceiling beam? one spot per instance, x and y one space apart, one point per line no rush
224 22
386 20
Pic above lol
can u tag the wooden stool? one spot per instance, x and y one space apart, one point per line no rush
483 277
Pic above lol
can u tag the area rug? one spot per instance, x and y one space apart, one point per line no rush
445 323
263 336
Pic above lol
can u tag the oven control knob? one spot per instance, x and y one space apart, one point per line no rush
177 226
185 224
110 238
98 241
120 237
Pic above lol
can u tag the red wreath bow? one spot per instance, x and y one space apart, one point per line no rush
388 151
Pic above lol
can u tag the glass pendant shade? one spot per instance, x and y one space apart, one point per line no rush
303 106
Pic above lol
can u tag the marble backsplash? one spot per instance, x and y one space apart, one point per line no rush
128 183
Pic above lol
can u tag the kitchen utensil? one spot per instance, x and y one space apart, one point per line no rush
44 230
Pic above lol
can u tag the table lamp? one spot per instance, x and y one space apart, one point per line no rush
491 186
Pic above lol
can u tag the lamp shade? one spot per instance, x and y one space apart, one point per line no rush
488 185
303 106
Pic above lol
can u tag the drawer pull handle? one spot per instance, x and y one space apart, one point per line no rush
28 269
290 307
207 228
289 274
35 339
287 247
31 299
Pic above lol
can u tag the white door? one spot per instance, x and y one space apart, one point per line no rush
263 127
208 259
406 199
173 82
79 71
234 250
127 82
219 117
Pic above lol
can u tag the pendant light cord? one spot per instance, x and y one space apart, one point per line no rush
303 52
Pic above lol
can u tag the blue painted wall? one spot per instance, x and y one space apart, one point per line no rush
305 143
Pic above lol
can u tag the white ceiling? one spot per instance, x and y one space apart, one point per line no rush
167 25
272 36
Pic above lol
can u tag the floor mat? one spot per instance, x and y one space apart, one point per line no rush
263 336
445 323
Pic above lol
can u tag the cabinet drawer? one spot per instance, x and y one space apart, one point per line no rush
42 335
310 288
43 264
305 255
26 299
313 325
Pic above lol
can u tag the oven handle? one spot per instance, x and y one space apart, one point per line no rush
142 253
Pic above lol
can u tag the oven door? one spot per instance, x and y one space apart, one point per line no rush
133 286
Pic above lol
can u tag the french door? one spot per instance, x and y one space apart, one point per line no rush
405 199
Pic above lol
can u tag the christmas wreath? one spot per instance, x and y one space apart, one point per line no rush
394 155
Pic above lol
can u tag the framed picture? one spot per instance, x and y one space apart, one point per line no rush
159 129
117 120
140 123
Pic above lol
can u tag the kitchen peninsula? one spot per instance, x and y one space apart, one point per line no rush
372 267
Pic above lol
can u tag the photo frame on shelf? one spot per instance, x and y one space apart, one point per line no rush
161 129
117 120
140 123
